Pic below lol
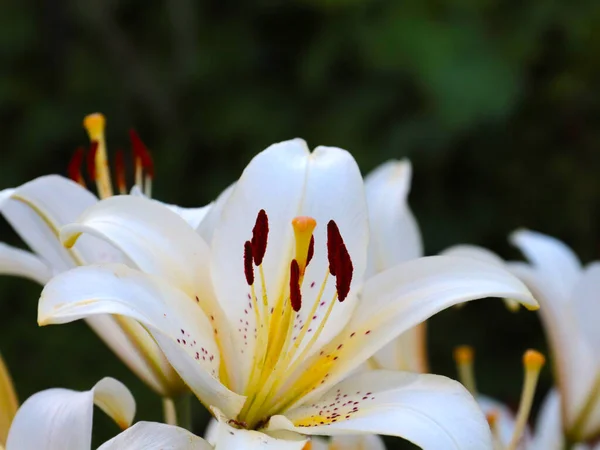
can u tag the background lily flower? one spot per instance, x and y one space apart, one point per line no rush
8 402
370 442
567 293
394 238
38 209
268 322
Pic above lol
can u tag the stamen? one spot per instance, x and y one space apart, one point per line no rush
120 172
143 162
464 356
248 269
95 124
311 250
74 168
260 233
340 263
533 361
303 232
91 160
492 419
295 294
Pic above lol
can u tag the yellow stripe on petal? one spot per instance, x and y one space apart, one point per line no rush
8 402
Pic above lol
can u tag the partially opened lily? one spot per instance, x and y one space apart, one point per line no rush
268 322
38 209
568 294
61 419
8 402
394 238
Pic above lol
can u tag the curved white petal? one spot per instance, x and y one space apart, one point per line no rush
395 235
156 436
21 263
358 442
317 443
158 242
406 353
206 228
406 295
8 402
180 328
193 216
287 181
548 428
431 411
58 419
550 256
229 438
37 210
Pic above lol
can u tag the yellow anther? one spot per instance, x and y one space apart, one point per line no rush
464 356
94 125
492 419
533 360
303 231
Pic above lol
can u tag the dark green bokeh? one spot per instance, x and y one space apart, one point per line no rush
495 102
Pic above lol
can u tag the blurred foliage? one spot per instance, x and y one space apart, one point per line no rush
495 102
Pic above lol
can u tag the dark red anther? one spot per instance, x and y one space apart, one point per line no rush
141 152
120 171
260 233
74 167
334 239
91 160
311 250
248 269
340 263
295 294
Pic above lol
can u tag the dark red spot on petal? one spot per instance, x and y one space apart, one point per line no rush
295 294
260 233
248 269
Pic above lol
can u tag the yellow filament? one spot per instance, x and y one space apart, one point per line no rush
464 356
303 231
8 402
533 362
148 186
139 178
94 125
492 419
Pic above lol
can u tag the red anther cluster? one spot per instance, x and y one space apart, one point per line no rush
248 269
295 293
120 170
260 233
311 250
91 160
140 151
74 168
340 263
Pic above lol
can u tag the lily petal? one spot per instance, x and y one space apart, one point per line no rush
550 256
37 210
58 419
404 296
8 402
156 436
395 235
406 353
505 419
206 228
180 328
431 411
21 263
548 429
360 442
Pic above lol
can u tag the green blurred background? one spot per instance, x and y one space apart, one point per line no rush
495 102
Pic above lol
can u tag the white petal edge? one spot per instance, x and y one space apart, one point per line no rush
156 436
359 442
548 428
179 327
431 411
21 263
58 419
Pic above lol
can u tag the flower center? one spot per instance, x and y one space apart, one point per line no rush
283 337
98 167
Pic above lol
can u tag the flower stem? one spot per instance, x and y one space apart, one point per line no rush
177 411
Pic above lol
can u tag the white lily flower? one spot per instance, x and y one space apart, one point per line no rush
38 209
366 442
61 419
8 402
264 324
567 292
394 238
